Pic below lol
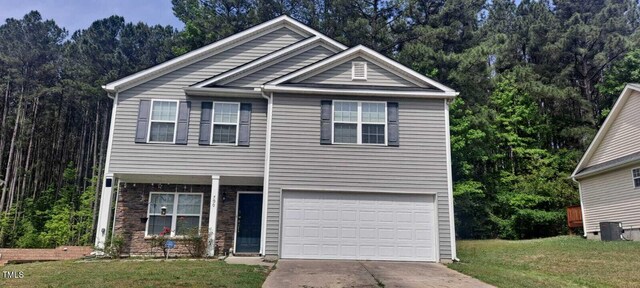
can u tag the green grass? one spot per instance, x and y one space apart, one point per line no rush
553 262
123 273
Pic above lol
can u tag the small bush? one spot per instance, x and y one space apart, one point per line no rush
160 241
113 247
196 243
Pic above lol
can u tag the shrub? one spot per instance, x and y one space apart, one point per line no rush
160 241
113 247
529 223
196 243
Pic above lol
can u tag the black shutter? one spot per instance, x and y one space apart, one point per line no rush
325 122
392 124
142 128
244 130
182 133
205 124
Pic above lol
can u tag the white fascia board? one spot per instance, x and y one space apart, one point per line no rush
281 54
615 111
220 91
198 54
581 176
365 51
359 92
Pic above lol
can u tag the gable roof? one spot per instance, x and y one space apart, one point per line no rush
273 58
211 49
361 51
608 122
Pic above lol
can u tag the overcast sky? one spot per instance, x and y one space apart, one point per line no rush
79 14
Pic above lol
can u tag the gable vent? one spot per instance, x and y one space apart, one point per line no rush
358 70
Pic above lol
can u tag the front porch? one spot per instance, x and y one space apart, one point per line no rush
144 210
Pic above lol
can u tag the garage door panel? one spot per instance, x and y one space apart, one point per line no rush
366 226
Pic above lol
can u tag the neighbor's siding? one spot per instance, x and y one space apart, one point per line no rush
298 160
623 137
192 159
277 69
376 76
610 197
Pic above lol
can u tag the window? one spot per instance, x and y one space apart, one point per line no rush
636 177
359 122
162 125
225 123
183 213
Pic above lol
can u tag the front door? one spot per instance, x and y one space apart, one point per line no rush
249 222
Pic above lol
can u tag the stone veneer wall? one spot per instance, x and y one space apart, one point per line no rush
132 205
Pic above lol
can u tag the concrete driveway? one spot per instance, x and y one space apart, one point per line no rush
336 273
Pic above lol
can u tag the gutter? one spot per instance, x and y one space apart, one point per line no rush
359 92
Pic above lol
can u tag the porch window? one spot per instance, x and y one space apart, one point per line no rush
183 213
636 177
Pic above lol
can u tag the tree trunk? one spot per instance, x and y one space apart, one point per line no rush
12 147
3 122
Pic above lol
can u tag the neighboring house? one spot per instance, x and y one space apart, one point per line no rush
609 172
304 148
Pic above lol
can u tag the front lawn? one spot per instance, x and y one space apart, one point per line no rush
553 262
126 273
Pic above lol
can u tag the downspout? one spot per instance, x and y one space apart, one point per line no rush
265 184
584 222
450 182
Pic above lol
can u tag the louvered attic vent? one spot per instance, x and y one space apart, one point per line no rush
358 70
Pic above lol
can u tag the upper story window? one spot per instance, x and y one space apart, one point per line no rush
162 125
183 213
225 123
636 177
356 122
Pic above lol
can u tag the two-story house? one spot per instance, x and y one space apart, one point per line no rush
282 142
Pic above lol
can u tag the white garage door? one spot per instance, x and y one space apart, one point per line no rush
363 226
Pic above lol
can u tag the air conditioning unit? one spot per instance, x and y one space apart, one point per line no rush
611 231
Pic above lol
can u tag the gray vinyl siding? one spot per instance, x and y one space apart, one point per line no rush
190 159
281 68
623 136
610 197
299 161
341 74
193 159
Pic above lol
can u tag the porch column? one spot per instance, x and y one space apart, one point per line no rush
213 215
105 211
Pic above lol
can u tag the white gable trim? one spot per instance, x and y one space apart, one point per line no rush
358 92
209 50
329 62
615 111
279 55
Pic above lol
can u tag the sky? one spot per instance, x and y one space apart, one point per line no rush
79 14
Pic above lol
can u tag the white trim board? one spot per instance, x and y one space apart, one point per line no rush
602 132
209 50
368 54
358 92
